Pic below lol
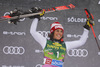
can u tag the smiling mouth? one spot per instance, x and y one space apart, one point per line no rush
59 36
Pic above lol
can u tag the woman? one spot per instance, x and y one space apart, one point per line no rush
55 48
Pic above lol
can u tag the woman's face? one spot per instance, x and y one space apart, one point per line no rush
58 34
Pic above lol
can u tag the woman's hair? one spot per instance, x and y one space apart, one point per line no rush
51 35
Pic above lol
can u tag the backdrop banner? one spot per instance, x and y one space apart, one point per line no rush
19 49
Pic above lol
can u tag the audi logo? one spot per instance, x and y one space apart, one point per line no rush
13 50
77 53
44 33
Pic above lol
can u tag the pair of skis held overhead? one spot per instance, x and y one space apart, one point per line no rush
50 10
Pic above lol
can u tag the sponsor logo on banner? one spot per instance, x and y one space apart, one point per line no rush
77 53
13 33
44 33
12 66
99 37
49 18
73 36
7 13
73 19
98 20
99 2
38 51
15 50
38 65
37 0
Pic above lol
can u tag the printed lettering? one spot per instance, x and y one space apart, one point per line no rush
72 19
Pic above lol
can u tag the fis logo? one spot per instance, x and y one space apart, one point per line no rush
38 51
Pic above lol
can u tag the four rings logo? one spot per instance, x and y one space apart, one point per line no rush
44 33
13 50
77 53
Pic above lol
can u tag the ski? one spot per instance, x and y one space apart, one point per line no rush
89 15
49 10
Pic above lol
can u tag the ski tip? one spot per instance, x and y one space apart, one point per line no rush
61 8
89 15
7 16
71 6
85 9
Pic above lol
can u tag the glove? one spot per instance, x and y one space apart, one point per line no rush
88 22
16 12
36 10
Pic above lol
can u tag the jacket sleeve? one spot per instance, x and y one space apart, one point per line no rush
78 43
36 35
